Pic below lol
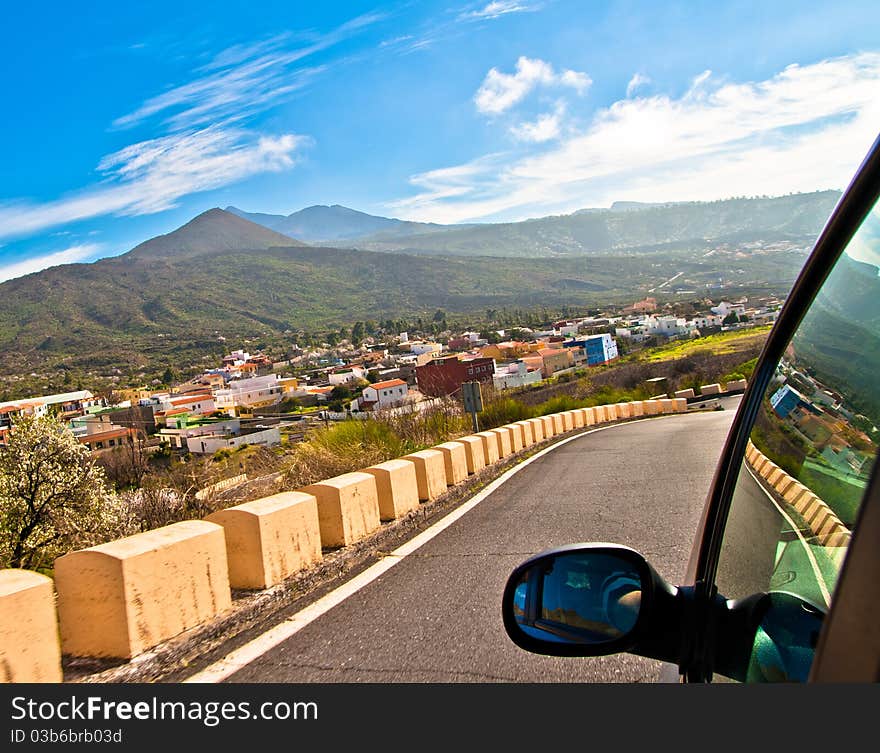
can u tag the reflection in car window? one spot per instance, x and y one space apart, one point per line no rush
810 454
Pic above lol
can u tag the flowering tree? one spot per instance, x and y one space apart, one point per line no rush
53 496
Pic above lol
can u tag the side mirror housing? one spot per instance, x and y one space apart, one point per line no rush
592 600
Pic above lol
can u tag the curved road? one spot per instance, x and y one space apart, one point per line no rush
435 616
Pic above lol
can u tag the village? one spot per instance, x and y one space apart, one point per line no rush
249 399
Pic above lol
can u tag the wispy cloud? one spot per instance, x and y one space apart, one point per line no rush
35 264
498 8
636 82
545 128
242 80
804 129
203 141
153 175
501 91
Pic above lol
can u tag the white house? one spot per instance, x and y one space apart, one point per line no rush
200 404
421 348
208 444
709 320
724 309
666 326
514 374
256 392
347 375
383 395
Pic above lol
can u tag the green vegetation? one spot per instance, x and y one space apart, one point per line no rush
732 341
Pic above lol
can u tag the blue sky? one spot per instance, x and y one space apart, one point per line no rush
124 120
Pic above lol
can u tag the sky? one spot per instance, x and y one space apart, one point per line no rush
122 121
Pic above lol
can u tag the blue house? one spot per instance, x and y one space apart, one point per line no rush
786 399
599 348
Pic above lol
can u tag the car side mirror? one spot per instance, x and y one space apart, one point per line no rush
591 600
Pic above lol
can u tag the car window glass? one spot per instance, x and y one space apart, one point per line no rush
811 451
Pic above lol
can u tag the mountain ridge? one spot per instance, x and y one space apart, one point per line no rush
211 231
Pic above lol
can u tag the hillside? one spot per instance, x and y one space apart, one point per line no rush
139 311
172 299
627 228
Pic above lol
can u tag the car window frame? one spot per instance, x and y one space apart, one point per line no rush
852 208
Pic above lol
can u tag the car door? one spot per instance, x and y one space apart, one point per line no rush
793 509
782 581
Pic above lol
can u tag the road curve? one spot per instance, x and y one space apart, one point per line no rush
435 616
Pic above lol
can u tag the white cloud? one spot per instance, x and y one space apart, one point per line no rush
496 9
806 128
35 264
501 91
545 128
242 80
636 82
153 175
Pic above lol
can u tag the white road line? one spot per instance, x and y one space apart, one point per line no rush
244 655
820 579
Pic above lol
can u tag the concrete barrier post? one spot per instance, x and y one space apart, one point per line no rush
454 461
516 436
667 405
537 428
124 597
689 392
502 437
577 417
476 456
558 423
528 438
637 409
396 488
549 426
710 389
623 410
430 473
29 647
490 446
589 416
681 405
270 539
348 507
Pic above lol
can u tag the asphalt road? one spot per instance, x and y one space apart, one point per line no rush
435 616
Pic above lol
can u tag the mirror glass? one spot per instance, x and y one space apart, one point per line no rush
579 597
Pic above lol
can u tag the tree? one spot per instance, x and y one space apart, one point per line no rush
53 495
357 333
340 392
126 466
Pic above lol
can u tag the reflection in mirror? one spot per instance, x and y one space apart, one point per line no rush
785 640
578 597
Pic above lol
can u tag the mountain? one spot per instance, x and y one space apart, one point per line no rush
211 232
626 228
334 223
170 300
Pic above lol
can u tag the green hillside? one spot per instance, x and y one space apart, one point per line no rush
627 229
